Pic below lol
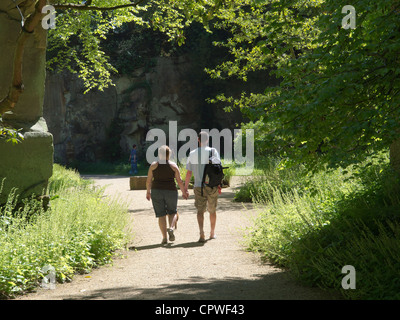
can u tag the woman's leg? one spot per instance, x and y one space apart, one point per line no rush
171 202
162 222
173 219
159 209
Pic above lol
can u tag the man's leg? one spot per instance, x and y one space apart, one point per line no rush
212 201
213 221
200 220
200 202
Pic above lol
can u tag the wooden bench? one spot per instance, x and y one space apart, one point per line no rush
138 182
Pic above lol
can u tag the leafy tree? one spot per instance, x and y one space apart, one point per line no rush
82 24
338 96
338 90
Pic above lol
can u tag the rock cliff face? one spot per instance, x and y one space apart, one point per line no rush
92 126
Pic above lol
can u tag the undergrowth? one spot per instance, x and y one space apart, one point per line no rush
316 224
80 231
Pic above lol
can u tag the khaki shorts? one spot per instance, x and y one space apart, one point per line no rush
207 201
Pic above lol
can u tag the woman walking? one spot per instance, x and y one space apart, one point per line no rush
161 189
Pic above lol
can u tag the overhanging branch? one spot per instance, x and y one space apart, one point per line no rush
9 102
94 8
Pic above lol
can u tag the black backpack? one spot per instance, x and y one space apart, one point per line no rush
215 173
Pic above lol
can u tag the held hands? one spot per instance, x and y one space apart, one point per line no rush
185 194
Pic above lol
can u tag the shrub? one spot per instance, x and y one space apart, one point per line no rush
336 218
267 176
78 232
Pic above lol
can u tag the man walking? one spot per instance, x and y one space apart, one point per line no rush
206 200
133 160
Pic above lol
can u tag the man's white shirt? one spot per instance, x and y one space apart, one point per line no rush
197 160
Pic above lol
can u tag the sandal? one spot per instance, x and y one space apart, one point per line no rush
202 238
171 234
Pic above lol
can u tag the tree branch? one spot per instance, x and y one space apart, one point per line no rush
87 6
9 102
17 87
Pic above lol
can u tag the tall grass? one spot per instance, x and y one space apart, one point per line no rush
328 220
117 168
266 177
79 231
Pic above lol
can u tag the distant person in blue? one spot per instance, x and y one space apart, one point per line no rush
133 159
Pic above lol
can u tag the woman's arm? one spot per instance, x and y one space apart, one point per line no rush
179 180
149 180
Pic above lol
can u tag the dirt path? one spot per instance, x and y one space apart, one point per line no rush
185 269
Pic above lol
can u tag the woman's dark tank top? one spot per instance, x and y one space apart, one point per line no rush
164 177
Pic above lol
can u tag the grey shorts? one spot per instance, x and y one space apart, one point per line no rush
164 202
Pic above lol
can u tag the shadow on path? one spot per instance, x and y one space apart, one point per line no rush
216 270
192 244
261 287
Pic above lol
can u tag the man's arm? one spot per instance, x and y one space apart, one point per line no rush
214 153
187 179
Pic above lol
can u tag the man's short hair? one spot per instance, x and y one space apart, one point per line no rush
203 136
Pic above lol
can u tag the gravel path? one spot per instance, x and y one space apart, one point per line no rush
185 269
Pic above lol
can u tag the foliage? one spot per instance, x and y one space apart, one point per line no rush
332 219
269 175
338 96
10 134
75 43
119 168
78 232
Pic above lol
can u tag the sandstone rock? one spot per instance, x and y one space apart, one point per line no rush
26 166
138 102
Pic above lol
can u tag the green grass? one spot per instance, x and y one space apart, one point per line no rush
315 225
268 176
79 231
117 168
